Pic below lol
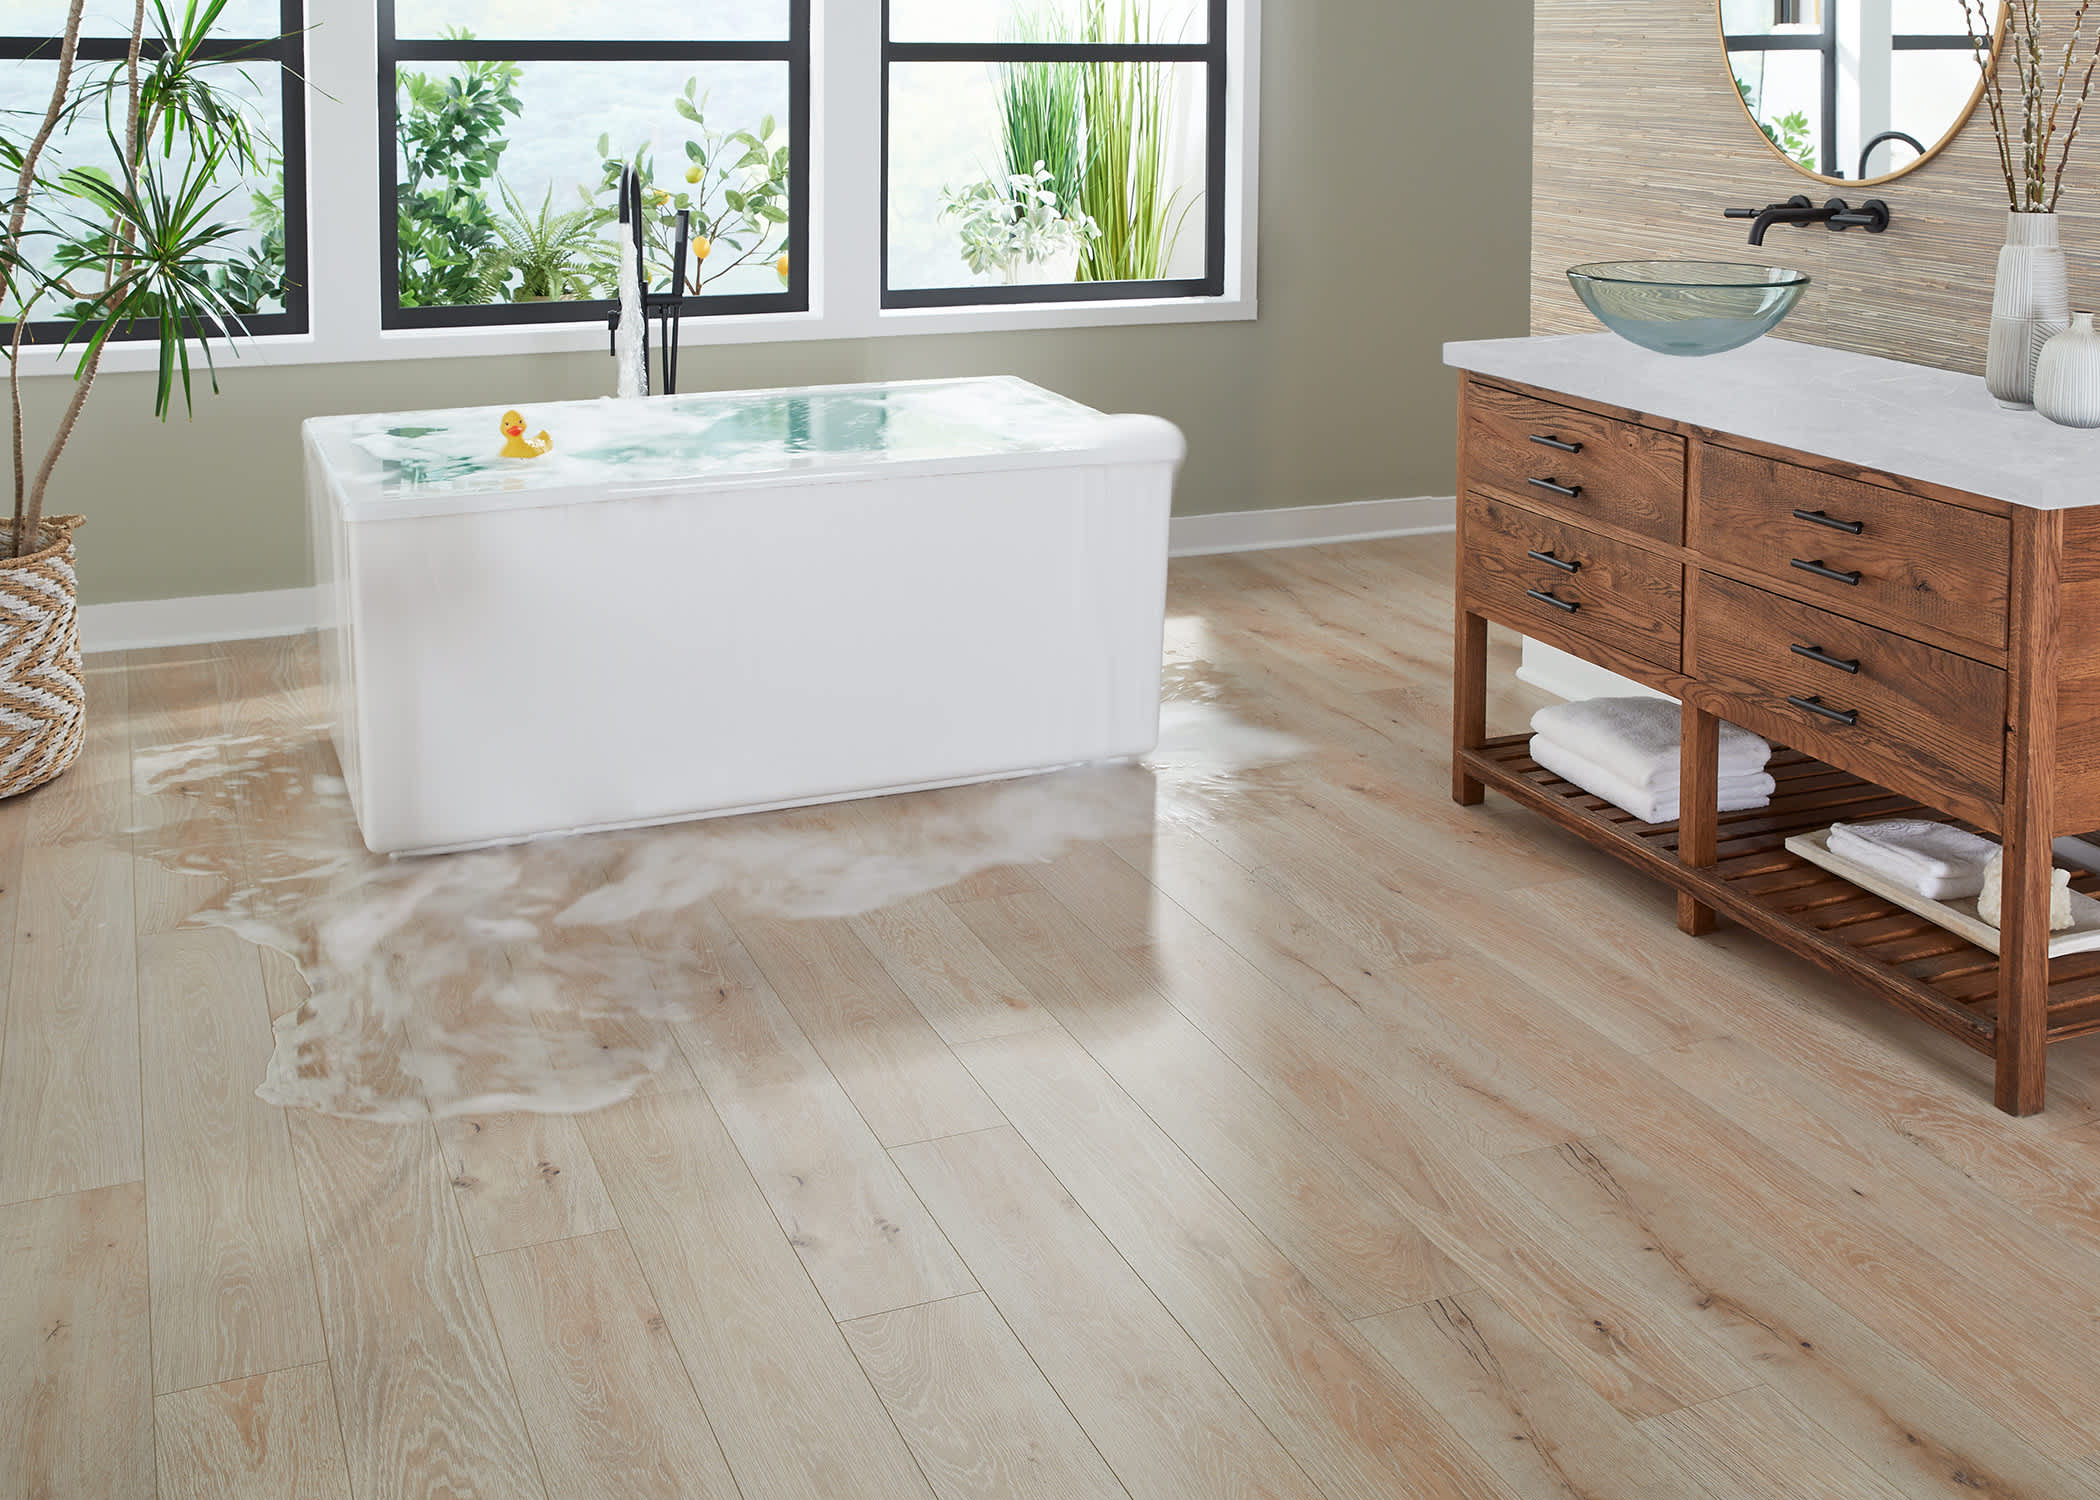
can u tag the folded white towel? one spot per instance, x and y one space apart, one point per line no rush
1738 793
1932 887
1638 739
1937 860
1990 899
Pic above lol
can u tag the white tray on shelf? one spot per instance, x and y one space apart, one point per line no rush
1958 917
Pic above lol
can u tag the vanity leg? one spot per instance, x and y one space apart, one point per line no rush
2034 658
1468 704
2023 974
1699 818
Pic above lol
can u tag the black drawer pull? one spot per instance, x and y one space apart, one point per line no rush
1570 490
1845 716
1820 571
1562 604
1555 562
1554 442
1816 516
1817 653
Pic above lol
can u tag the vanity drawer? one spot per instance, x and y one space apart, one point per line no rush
1859 547
1536 453
1925 722
1569 587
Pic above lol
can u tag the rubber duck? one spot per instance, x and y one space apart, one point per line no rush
516 444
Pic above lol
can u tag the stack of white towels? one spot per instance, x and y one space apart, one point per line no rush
1941 863
1625 750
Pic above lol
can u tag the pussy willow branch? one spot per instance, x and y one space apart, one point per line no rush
2035 183
1981 33
2063 76
2085 92
2033 146
68 48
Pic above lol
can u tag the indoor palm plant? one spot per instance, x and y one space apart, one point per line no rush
137 250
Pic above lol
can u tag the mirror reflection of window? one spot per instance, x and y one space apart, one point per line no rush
1851 90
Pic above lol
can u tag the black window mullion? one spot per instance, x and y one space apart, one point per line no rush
1213 53
395 51
481 49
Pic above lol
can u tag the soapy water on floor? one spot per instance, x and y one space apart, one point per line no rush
553 976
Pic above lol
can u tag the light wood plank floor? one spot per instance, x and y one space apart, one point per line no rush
1341 1144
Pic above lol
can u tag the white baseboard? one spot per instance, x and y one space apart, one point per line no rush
148 623
1310 525
1553 670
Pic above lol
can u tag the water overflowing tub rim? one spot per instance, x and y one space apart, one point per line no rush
1069 434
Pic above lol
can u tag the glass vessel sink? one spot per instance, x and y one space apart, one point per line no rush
1687 306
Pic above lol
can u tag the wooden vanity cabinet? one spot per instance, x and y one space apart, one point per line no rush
1911 650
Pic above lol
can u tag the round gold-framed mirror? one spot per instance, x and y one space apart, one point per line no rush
1858 92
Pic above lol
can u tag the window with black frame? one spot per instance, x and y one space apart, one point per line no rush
1053 150
247 61
1847 90
504 127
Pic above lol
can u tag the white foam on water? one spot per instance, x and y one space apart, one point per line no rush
551 976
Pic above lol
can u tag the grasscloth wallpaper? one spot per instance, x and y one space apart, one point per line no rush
1639 146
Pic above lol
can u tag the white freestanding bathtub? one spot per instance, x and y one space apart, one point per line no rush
708 604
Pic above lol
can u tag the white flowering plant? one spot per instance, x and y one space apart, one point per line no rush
1016 221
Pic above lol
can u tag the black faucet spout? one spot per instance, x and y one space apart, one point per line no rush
1796 210
1872 216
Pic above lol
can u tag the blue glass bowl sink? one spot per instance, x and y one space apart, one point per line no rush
1688 307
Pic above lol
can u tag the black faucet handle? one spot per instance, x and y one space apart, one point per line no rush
1872 215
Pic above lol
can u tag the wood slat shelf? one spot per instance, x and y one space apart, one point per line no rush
1758 882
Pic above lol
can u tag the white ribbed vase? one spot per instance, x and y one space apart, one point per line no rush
2067 381
2031 306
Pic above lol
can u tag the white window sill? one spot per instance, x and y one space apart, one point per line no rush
699 333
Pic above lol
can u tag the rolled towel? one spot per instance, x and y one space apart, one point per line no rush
1937 860
1991 898
1638 740
1737 793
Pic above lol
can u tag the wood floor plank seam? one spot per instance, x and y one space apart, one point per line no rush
1061 1401
699 1090
1153 1299
1593 1270
796 1030
481 1289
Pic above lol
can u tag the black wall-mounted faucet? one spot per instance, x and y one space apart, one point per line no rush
1872 215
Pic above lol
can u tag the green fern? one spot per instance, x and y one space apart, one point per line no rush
559 256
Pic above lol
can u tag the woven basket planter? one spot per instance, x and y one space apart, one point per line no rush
43 701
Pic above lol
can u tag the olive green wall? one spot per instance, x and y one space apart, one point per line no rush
1395 214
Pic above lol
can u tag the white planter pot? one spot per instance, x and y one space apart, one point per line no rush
2032 305
2067 380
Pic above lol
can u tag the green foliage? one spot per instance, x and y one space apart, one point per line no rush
1042 112
554 256
735 184
256 279
164 260
1790 134
452 143
1123 189
1015 223
145 247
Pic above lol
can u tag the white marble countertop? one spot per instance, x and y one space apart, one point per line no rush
1908 420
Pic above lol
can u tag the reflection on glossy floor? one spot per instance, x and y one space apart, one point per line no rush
1275 1129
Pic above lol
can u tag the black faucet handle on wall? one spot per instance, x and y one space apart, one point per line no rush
1872 215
